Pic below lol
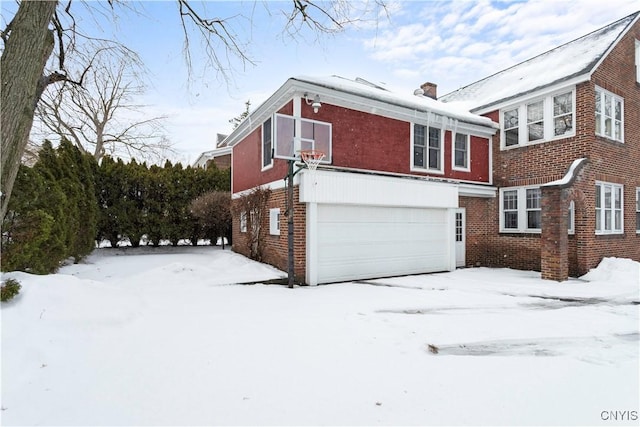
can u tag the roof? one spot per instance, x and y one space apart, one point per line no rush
364 96
419 103
577 58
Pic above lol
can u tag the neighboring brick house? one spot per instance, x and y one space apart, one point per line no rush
578 101
220 156
494 176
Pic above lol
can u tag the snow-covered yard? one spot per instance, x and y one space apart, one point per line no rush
131 338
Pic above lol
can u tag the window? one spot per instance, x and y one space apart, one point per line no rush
608 208
534 212
511 127
510 209
243 222
638 210
267 152
609 114
427 148
535 121
563 114
571 218
548 118
521 210
274 221
461 151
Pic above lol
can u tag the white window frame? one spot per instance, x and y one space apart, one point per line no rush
637 61
426 168
523 120
571 218
262 143
243 222
638 210
521 209
606 224
274 221
467 152
602 120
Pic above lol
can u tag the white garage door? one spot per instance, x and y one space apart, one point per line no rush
360 242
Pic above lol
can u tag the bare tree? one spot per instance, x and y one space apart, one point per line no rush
101 116
40 26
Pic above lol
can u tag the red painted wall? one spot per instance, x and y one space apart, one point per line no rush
360 141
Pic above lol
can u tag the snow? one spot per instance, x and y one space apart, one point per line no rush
569 60
566 179
418 103
168 336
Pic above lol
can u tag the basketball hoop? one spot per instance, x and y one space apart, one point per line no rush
311 158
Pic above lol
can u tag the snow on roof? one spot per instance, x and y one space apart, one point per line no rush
572 59
566 179
362 88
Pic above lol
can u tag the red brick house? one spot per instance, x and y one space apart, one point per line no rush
578 101
525 169
220 156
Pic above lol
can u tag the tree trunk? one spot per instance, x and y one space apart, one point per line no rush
26 51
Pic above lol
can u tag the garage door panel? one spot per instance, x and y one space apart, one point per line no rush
356 242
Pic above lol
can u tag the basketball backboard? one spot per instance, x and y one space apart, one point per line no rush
292 134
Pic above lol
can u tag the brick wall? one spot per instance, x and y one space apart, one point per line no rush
608 161
276 246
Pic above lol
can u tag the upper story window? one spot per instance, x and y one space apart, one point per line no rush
545 119
609 208
427 149
267 152
521 209
609 115
460 152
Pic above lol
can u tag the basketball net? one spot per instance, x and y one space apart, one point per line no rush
312 159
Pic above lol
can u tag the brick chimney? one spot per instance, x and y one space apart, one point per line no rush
430 90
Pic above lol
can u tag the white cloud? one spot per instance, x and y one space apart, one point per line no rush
461 42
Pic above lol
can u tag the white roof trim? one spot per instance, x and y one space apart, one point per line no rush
362 97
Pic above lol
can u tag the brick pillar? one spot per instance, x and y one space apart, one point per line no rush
554 248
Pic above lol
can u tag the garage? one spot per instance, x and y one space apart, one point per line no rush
359 242
363 226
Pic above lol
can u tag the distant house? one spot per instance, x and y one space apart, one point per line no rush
535 167
220 156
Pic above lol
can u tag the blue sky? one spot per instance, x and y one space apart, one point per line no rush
451 43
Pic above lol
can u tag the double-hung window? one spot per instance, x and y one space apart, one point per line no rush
609 211
609 115
534 209
511 127
535 121
520 209
545 119
427 148
267 138
461 151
